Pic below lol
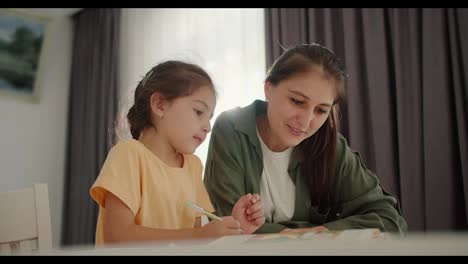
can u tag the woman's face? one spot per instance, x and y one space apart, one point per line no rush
298 107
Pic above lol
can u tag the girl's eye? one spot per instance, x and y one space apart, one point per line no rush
198 112
297 102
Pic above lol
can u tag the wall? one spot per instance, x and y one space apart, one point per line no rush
33 135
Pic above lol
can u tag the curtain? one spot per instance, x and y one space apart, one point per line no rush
406 108
93 105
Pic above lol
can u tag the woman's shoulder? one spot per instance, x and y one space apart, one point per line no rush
352 175
341 142
225 122
229 116
342 149
346 157
240 117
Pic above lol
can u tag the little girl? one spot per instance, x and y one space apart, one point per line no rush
145 182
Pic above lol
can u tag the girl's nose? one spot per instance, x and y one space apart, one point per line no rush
207 127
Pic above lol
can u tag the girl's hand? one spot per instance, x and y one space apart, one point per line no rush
249 212
228 226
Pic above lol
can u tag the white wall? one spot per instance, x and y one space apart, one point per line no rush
33 135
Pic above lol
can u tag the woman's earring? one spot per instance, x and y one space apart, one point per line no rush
161 115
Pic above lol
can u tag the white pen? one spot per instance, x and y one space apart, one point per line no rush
202 211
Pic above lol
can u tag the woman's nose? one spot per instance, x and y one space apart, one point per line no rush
306 117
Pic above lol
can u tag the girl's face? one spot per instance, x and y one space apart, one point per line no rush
298 107
186 120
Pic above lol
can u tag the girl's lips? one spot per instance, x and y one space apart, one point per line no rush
199 139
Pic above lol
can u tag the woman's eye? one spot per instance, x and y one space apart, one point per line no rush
322 111
297 102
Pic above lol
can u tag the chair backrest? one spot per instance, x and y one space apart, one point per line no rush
25 220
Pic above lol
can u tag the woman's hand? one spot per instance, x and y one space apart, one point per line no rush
249 212
316 229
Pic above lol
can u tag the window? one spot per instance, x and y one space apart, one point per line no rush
228 43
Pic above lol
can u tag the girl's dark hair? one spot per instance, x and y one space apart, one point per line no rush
319 150
172 79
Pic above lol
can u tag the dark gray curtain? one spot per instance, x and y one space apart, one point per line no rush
93 106
407 98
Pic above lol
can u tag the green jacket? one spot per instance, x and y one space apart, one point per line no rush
234 167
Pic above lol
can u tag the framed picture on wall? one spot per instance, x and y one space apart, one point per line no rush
22 36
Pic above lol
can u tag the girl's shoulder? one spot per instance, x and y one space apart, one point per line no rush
127 146
193 160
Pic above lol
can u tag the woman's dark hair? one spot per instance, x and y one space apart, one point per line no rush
172 79
319 150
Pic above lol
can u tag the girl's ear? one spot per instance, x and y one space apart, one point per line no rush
158 104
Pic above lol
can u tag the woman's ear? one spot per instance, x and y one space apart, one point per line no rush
158 104
267 88
333 116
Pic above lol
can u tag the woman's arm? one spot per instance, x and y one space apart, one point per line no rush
224 175
363 202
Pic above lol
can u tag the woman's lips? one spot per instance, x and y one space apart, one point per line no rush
295 131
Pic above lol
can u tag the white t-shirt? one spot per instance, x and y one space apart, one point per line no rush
277 190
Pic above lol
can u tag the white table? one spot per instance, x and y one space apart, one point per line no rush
413 244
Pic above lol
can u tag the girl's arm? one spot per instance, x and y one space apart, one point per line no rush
197 222
119 226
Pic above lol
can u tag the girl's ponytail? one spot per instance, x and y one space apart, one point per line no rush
136 124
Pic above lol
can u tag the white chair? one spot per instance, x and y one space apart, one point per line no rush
25 220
